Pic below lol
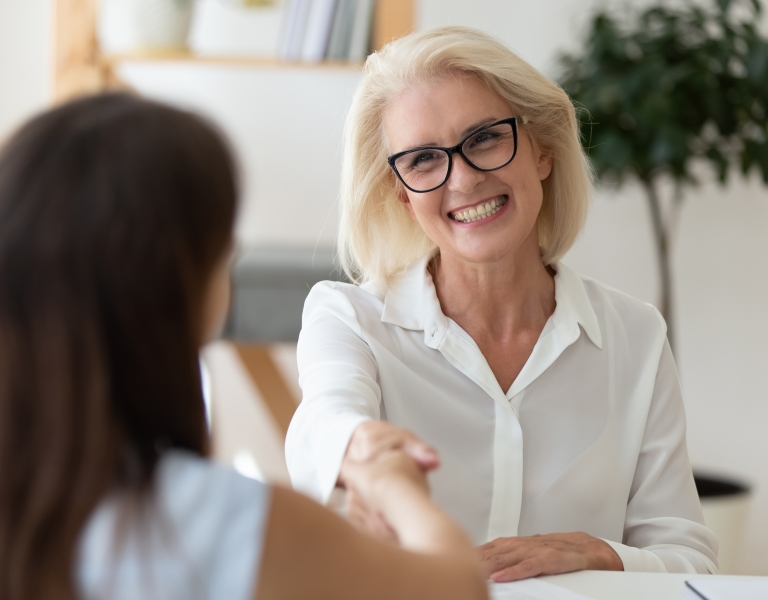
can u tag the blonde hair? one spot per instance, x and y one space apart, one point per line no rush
377 237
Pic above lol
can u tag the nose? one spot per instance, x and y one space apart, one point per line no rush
463 178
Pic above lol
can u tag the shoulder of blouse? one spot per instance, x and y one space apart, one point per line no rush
352 304
622 309
202 520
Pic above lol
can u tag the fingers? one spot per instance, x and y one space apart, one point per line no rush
501 547
425 456
378 481
521 570
376 437
509 559
505 558
523 562
401 439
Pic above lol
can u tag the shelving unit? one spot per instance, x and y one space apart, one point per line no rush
110 61
82 68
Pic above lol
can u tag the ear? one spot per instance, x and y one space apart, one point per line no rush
544 165
402 197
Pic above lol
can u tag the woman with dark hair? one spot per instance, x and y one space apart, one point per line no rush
116 222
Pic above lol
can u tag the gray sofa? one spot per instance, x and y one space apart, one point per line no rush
270 285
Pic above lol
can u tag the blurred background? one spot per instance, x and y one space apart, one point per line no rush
278 77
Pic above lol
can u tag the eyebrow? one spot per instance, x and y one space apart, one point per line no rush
464 133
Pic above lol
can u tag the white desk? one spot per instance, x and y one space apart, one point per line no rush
611 585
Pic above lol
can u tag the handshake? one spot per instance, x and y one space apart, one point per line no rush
380 460
385 474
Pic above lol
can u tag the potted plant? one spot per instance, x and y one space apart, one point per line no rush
666 90
662 92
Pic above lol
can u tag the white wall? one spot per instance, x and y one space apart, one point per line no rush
275 115
286 125
25 59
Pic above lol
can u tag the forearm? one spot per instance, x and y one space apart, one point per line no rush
443 562
420 525
334 561
450 565
315 445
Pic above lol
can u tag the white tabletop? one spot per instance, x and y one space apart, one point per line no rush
612 585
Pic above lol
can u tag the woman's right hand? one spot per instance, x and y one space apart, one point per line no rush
373 438
370 504
370 441
378 478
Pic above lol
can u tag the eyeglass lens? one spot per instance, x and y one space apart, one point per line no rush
487 149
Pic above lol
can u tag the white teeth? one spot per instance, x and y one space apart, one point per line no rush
480 212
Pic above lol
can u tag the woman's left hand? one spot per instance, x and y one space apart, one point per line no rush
513 558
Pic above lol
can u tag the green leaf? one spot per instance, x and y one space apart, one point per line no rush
667 85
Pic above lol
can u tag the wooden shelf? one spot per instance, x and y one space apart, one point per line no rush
82 68
110 61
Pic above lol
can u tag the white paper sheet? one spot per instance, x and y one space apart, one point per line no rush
726 588
532 589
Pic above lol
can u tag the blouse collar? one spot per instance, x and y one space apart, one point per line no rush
411 303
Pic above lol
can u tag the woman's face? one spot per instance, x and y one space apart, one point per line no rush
442 114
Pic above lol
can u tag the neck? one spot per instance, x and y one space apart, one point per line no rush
498 297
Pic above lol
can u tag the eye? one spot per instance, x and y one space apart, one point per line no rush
486 136
420 160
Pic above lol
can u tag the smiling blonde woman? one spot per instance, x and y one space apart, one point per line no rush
546 406
377 238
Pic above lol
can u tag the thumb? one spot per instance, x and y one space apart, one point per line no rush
425 456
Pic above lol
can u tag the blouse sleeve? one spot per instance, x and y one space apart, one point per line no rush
664 527
340 390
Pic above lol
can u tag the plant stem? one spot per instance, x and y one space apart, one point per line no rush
661 238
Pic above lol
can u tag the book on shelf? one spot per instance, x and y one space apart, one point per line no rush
315 30
341 31
294 29
361 31
318 30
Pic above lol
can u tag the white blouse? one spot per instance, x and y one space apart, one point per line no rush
590 437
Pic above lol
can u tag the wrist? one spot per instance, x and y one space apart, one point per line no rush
606 559
396 495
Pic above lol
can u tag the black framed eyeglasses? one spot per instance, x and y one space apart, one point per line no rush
488 148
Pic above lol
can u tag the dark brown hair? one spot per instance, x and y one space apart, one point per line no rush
113 212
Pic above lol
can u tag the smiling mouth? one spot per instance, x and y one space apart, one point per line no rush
479 212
